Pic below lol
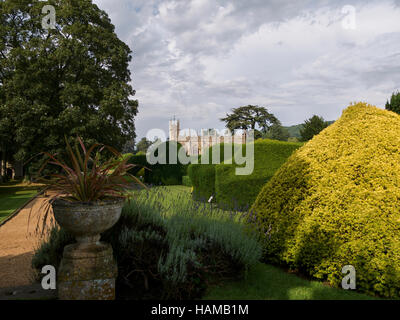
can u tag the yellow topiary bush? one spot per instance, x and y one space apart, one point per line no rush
336 202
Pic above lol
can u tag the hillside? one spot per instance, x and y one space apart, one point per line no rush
294 130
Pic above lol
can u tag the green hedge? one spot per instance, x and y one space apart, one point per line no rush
186 181
140 162
203 180
234 191
203 175
164 174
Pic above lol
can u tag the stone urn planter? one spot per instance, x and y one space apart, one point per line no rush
86 221
96 192
88 269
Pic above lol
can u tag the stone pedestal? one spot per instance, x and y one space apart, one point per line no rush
87 272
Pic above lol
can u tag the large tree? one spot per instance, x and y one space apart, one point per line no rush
71 80
394 104
143 145
250 117
312 127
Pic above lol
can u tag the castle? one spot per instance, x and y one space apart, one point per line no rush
196 144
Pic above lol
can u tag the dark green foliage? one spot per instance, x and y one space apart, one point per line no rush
203 175
239 192
129 147
186 181
277 132
169 247
203 180
250 118
312 127
394 104
294 131
140 162
51 251
143 145
169 173
159 173
216 153
72 80
234 191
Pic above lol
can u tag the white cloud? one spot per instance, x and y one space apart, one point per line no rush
198 59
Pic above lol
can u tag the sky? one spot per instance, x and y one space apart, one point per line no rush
198 59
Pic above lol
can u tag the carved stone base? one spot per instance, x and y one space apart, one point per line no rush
87 272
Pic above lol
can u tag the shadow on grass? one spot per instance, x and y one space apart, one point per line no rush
266 282
13 196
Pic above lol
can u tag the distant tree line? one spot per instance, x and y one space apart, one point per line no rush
394 103
267 126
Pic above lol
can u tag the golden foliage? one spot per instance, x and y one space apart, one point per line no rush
335 202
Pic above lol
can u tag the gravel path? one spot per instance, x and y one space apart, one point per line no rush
18 240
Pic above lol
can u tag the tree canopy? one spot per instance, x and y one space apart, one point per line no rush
143 145
250 118
394 104
277 132
312 127
71 80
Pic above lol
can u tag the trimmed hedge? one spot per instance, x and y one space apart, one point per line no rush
239 192
160 174
203 175
140 162
186 181
203 180
335 202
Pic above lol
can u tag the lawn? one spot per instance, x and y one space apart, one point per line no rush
13 195
266 282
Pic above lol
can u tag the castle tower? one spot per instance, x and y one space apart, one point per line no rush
173 129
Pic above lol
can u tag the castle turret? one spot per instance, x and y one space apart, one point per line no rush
173 129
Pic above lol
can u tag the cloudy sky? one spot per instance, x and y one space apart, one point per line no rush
197 59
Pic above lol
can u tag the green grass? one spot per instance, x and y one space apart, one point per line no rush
266 282
13 195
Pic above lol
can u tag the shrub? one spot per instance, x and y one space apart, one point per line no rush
335 203
239 192
140 162
203 175
312 127
186 181
169 247
394 104
159 173
203 180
